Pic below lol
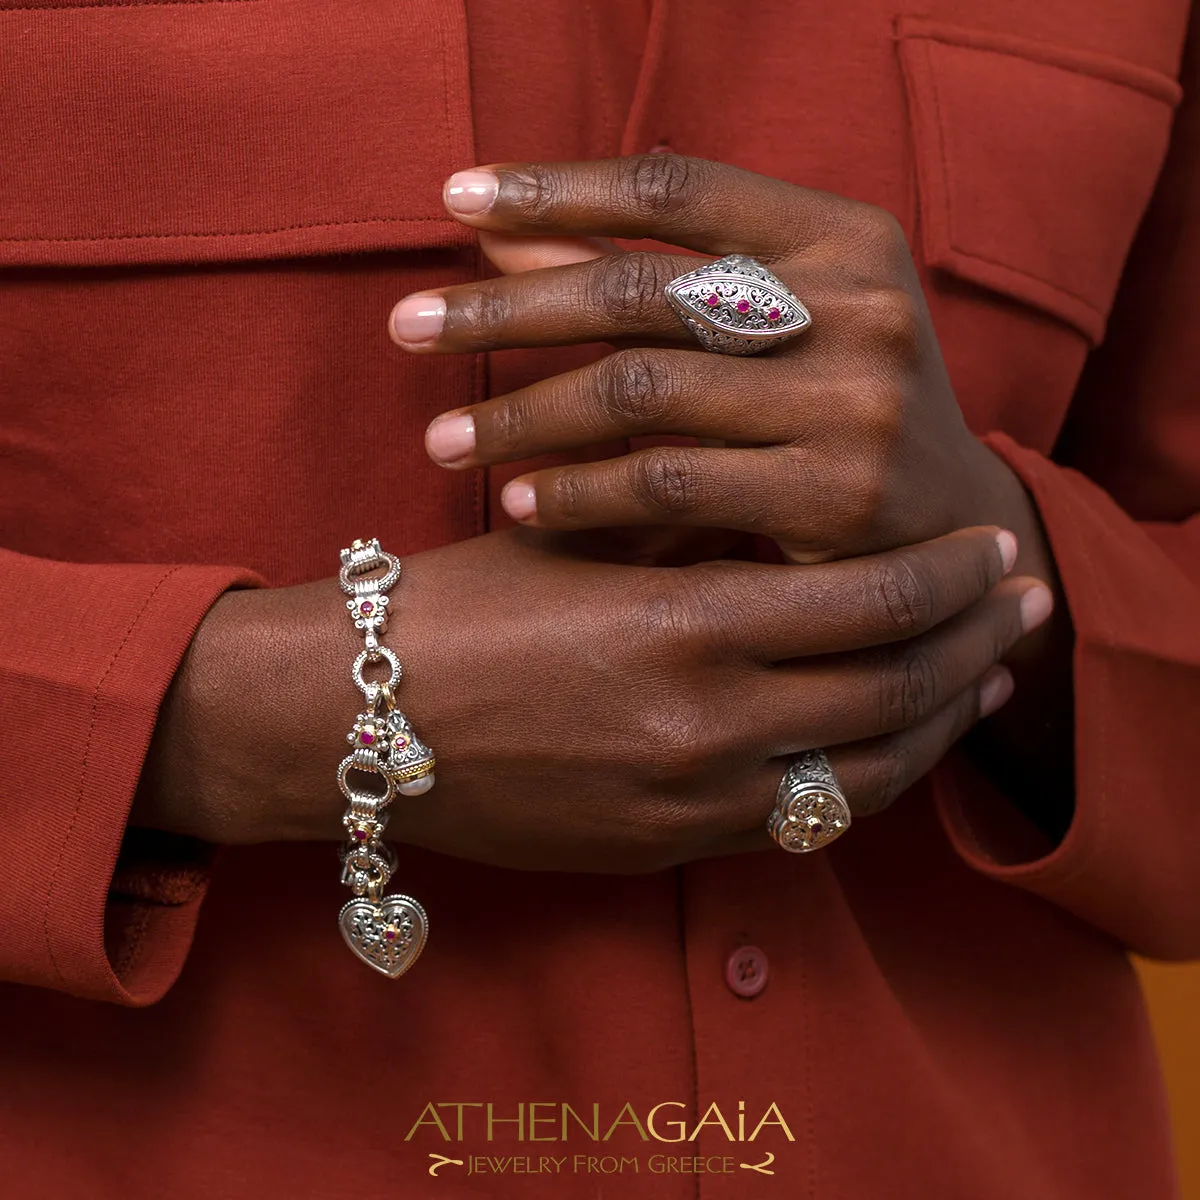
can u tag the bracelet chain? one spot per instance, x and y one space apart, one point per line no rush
388 932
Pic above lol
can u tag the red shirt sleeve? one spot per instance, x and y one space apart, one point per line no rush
1119 499
86 655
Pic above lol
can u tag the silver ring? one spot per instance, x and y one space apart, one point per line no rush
371 690
736 306
810 809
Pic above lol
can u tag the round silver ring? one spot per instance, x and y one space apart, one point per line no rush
360 559
736 306
371 690
810 808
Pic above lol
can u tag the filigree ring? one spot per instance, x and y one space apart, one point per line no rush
736 306
810 810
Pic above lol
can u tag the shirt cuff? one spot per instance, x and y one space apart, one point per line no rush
83 908
1128 861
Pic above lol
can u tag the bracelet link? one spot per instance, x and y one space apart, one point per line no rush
386 932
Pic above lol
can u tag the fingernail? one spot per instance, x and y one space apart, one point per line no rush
1036 606
995 689
418 318
471 192
1008 549
519 500
450 438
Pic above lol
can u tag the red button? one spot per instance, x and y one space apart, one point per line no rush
746 971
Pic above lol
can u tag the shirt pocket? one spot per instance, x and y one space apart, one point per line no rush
1035 163
228 129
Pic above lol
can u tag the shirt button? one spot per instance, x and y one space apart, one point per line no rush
746 971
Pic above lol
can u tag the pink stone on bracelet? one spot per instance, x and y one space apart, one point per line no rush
386 932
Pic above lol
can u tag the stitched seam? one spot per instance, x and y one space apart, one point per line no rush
941 130
83 771
443 50
652 55
101 7
128 237
1054 287
1046 60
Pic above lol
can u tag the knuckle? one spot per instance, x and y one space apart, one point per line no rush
657 184
569 497
674 737
625 287
891 318
877 231
666 480
910 689
485 310
904 595
686 611
857 511
508 427
636 387
878 403
532 193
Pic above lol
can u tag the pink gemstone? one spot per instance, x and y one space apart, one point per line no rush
743 306
366 737
390 934
713 300
773 315
360 835
366 608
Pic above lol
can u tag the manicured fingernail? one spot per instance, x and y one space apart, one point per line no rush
519 500
450 438
471 192
1008 549
995 689
418 318
1036 606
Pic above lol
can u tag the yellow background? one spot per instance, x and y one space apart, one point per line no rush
1173 994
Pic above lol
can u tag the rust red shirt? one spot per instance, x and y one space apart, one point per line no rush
207 210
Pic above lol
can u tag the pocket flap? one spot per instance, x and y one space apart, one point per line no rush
228 129
1035 162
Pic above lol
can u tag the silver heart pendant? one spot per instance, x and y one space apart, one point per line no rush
388 936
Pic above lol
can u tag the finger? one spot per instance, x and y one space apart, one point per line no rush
692 202
511 253
762 491
851 697
633 392
873 774
608 297
768 613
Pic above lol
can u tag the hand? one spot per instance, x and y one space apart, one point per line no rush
848 439
590 715
845 440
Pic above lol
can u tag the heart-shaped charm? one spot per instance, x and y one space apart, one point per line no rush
388 936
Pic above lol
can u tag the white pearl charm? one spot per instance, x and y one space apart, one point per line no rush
416 787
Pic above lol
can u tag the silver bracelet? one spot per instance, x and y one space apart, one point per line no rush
387 932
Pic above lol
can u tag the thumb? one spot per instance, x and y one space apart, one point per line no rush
511 253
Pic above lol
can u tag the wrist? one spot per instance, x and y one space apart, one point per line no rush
250 720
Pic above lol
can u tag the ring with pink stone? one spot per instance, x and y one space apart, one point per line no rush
736 306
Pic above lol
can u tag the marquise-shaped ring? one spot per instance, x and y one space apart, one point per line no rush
736 306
